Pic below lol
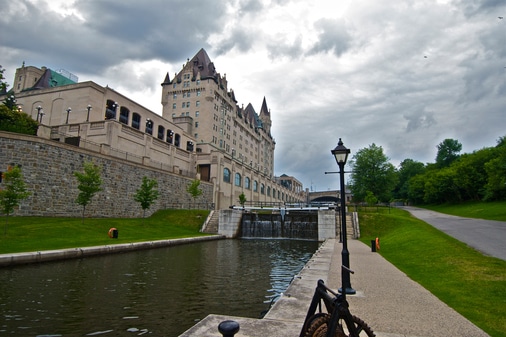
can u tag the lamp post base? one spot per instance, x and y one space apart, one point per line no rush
348 291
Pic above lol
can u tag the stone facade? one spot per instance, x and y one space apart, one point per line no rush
48 168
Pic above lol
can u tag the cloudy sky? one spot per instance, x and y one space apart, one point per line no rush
402 74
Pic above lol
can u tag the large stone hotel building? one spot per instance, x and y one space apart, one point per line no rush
203 132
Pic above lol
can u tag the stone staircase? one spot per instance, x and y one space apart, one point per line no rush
212 222
351 230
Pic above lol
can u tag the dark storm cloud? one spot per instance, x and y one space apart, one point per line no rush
112 31
155 28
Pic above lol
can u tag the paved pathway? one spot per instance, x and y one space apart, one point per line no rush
487 236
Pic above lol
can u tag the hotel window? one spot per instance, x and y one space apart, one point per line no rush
198 92
161 132
136 121
247 183
237 179
124 113
197 113
197 103
173 105
226 175
174 96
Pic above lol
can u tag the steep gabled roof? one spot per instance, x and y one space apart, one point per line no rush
264 110
201 63
166 80
250 116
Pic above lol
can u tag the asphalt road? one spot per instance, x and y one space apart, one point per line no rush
486 236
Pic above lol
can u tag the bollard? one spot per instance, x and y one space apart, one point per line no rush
228 328
373 245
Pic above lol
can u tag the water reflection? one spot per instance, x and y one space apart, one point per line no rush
161 292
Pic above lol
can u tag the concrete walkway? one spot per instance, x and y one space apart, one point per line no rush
387 300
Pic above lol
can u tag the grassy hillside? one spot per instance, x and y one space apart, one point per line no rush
471 283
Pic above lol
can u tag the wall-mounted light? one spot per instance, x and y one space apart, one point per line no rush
39 111
88 115
68 112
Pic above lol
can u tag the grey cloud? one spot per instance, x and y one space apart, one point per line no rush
422 120
333 37
114 31
156 28
478 7
250 6
240 39
291 50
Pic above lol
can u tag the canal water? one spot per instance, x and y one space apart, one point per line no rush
159 292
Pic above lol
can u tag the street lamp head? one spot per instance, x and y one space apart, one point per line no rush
69 109
89 107
340 153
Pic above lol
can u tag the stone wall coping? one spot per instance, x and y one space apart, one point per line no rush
13 259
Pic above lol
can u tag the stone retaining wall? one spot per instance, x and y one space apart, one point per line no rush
48 168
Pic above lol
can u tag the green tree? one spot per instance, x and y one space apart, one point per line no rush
370 199
440 187
147 194
90 183
13 192
416 189
194 189
3 84
470 173
447 152
495 188
242 199
407 169
13 120
372 172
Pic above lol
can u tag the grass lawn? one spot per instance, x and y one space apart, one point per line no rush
27 234
471 283
480 210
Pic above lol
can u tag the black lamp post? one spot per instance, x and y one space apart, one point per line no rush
88 115
341 154
68 112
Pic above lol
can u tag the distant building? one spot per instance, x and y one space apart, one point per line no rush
202 132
